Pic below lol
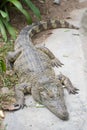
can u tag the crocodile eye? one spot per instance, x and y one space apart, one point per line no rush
50 94
43 95
41 89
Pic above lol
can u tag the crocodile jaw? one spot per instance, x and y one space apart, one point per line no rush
58 108
53 99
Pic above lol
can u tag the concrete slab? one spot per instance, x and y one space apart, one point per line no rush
76 16
67 46
82 0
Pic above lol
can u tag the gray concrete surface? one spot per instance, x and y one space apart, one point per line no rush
76 16
82 0
67 46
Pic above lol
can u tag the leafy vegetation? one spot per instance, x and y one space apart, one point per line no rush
6 79
2 69
2 66
5 6
9 79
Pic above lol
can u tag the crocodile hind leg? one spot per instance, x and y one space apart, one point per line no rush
67 83
20 90
54 60
11 57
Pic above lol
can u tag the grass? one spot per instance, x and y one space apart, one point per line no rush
6 79
5 47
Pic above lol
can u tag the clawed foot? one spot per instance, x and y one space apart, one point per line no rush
57 63
68 84
70 87
72 90
14 107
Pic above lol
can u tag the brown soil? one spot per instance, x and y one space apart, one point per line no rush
48 11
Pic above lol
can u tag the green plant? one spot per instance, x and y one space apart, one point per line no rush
2 66
5 6
2 69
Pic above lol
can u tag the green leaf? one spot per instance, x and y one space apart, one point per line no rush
6 10
11 30
3 31
33 8
3 14
18 5
3 66
3 3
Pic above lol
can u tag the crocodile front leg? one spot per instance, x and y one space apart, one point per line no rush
54 60
20 90
11 57
67 83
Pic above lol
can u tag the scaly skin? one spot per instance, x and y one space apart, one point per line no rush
36 75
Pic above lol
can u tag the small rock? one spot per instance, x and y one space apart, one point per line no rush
82 0
65 55
56 2
2 114
4 90
39 105
10 72
41 1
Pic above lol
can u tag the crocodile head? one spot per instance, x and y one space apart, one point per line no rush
52 96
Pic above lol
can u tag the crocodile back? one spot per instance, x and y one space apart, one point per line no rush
31 60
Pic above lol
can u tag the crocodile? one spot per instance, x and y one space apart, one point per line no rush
34 68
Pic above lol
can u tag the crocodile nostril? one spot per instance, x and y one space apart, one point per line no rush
65 116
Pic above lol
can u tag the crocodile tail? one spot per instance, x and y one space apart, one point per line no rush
50 24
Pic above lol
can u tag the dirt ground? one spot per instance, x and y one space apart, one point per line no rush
48 11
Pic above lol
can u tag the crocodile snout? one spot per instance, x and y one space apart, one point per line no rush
65 116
